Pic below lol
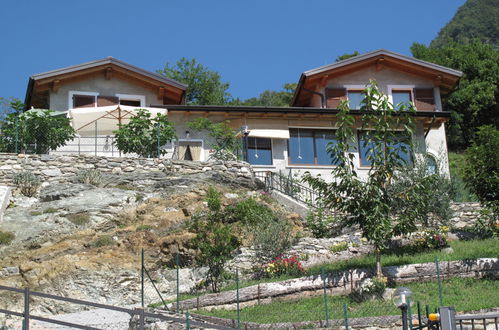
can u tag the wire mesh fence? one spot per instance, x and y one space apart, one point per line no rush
324 303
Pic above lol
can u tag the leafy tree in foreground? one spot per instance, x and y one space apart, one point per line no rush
205 87
475 101
39 131
375 204
144 135
226 143
481 169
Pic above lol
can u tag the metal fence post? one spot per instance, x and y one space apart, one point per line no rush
439 281
409 313
142 319
142 277
158 142
323 275
237 300
345 316
95 137
17 134
26 309
178 282
187 321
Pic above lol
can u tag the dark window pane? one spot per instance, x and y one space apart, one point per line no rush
431 165
403 149
259 151
301 147
83 101
132 103
324 140
401 97
355 100
366 149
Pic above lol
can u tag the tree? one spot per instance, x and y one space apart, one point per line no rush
481 169
38 131
270 98
226 142
144 135
475 100
205 87
347 55
370 203
10 105
476 19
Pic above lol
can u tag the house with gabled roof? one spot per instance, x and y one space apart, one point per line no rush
287 139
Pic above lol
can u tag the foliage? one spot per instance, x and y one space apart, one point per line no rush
205 87
434 238
474 102
370 203
144 135
339 247
213 199
270 98
215 243
271 238
459 191
27 182
6 237
474 19
487 225
35 131
104 240
249 213
320 222
90 176
346 56
481 170
143 228
283 266
374 286
226 143
10 105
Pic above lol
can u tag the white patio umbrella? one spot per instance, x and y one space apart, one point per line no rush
105 120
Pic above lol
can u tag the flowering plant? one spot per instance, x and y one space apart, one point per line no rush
283 265
373 286
434 238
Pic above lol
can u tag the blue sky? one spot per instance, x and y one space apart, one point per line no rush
255 45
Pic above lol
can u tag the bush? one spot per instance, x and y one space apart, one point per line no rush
320 223
339 247
90 176
283 266
249 212
372 287
433 238
78 219
271 239
6 237
27 182
213 199
487 225
103 240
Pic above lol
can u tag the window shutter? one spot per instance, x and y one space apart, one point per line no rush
424 99
83 101
103 101
335 96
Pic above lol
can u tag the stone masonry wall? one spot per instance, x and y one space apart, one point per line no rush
61 168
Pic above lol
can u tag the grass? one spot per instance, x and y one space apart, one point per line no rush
6 237
143 228
50 210
104 240
465 294
78 219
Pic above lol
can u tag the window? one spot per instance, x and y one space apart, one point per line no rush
401 98
310 146
366 149
259 151
355 99
83 101
132 100
431 165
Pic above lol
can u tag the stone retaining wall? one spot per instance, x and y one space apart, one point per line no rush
59 168
465 214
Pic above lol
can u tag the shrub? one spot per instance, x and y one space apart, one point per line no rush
271 239
6 237
372 287
90 176
283 266
320 223
213 199
27 182
434 238
487 224
103 240
249 212
78 219
339 247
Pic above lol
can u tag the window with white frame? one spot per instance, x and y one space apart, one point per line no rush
132 100
79 99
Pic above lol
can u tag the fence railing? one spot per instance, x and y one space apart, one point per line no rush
288 186
27 317
486 321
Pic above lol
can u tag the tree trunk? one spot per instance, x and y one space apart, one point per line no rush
379 271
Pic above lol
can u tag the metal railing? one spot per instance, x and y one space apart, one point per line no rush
26 315
288 186
487 320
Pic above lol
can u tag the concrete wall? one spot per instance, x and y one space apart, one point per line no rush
59 101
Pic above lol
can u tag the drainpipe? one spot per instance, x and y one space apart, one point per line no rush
323 98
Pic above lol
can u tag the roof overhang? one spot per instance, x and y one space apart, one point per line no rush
108 67
444 77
